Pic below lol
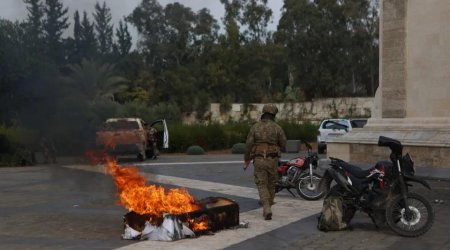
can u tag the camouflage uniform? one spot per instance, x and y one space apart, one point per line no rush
264 143
153 141
48 150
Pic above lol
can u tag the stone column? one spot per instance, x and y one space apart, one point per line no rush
392 58
412 103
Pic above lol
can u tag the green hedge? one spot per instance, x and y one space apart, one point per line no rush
238 148
14 149
216 136
305 132
195 150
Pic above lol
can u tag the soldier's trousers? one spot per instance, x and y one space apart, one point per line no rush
266 178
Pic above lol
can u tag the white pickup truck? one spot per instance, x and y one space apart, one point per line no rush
336 127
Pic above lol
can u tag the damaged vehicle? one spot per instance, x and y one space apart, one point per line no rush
133 136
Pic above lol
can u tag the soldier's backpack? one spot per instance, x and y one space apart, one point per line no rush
331 217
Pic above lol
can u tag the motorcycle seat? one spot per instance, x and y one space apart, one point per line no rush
356 171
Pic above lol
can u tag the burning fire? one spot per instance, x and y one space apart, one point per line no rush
135 195
199 224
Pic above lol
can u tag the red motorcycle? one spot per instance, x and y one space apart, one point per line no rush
299 173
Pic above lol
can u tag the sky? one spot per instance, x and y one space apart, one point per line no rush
16 9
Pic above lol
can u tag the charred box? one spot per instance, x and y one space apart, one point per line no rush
221 213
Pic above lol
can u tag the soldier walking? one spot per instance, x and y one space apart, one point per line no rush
264 143
48 150
153 142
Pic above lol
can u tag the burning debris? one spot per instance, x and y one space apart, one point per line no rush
170 229
216 213
167 215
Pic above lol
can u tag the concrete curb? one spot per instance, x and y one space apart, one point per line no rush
428 173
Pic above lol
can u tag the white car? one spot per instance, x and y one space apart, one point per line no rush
335 127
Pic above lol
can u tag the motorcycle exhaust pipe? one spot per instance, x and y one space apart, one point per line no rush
342 181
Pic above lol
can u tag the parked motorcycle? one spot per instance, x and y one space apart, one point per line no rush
299 173
382 191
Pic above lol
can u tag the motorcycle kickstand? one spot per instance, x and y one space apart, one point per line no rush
373 220
291 192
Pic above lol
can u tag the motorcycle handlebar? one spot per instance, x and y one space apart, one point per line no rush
395 146
308 145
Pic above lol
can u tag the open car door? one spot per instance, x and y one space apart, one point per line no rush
163 133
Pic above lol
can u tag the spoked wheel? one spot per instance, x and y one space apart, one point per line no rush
417 222
309 189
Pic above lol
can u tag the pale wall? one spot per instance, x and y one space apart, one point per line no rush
412 102
428 58
315 110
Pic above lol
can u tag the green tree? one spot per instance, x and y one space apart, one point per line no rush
321 46
180 21
93 82
75 44
148 18
230 20
227 79
206 30
34 24
54 24
87 38
256 15
103 28
12 68
370 26
123 45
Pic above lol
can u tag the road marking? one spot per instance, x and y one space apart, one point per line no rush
245 192
286 210
187 163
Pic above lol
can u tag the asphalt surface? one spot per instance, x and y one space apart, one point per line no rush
74 206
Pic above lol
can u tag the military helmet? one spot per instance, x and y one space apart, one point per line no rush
270 108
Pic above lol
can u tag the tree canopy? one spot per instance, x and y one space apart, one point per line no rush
184 59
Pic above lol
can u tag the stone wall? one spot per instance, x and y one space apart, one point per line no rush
368 153
314 111
412 101
428 58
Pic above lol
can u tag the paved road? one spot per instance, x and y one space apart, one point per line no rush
74 207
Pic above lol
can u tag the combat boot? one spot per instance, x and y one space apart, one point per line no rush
267 212
271 202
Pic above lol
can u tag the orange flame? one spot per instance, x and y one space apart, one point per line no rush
199 224
136 196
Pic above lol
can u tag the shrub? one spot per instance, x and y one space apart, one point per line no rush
216 136
209 137
304 132
9 137
195 150
235 133
14 150
238 148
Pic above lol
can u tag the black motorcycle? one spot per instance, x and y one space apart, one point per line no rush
382 191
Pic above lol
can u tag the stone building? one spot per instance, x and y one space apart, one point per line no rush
412 103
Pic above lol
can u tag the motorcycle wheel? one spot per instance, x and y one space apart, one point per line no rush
309 190
417 223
